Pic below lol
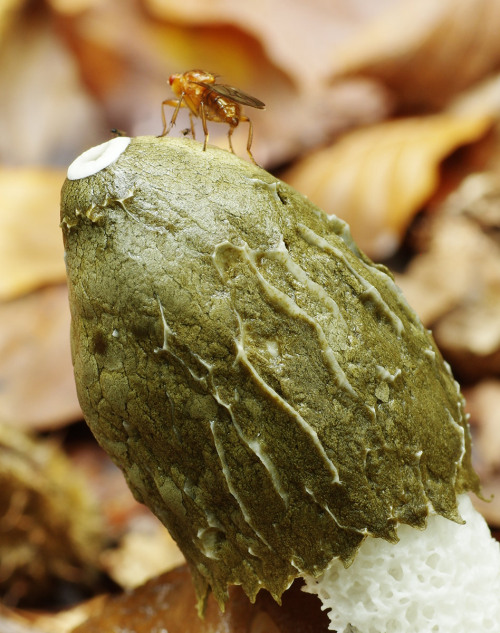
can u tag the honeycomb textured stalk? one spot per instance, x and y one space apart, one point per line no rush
263 385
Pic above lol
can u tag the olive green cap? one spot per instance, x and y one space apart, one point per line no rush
263 385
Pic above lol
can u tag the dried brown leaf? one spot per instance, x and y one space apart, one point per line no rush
72 7
121 511
36 373
377 178
425 52
31 250
167 603
469 336
439 280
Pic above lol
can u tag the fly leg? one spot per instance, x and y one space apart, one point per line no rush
204 123
250 137
229 134
191 123
173 103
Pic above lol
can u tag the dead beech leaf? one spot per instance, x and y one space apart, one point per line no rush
427 51
167 603
377 178
31 250
36 374
438 280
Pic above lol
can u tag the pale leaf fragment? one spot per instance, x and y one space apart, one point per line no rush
31 251
143 552
377 178
36 374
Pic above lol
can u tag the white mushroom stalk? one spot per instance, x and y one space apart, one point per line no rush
438 580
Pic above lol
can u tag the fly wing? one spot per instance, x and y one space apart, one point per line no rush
234 94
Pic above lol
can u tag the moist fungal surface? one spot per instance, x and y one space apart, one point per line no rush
263 385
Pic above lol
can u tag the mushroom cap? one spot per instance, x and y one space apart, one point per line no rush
264 386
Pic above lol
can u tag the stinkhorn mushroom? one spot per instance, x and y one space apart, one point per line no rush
268 392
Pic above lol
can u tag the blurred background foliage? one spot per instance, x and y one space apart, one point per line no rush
384 112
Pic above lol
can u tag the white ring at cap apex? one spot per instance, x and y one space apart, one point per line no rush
97 158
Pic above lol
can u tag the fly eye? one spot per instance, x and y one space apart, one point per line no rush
171 79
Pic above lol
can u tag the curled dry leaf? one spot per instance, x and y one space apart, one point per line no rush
31 251
455 285
49 523
415 47
377 178
36 373
167 603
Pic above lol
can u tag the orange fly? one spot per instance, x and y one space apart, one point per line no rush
210 101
